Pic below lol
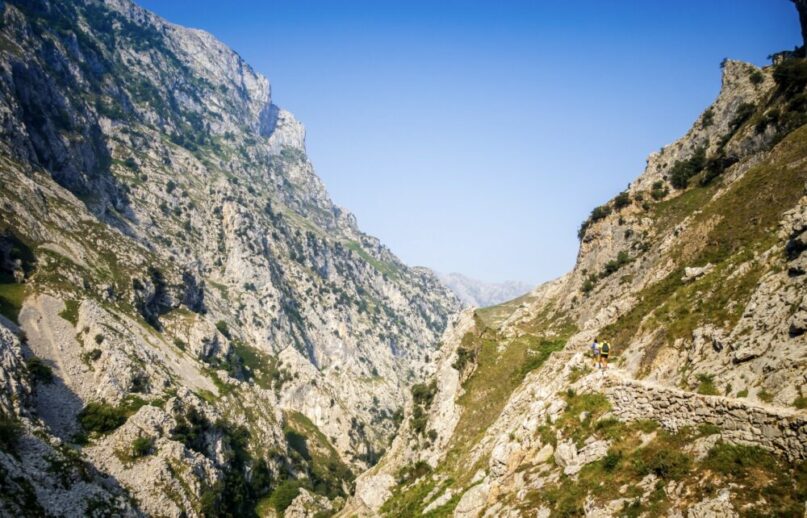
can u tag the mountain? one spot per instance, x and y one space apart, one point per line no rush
474 293
190 325
696 276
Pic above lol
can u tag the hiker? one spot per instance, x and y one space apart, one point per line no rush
605 350
595 352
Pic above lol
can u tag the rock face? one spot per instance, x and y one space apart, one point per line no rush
696 277
205 322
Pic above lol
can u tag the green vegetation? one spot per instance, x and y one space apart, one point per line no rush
223 328
38 370
659 191
791 75
282 497
326 471
10 431
70 311
422 397
706 385
142 446
683 170
102 418
761 195
597 214
11 299
384 268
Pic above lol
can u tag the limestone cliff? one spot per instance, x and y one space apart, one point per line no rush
696 276
203 328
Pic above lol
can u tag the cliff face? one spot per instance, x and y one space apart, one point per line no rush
205 323
696 276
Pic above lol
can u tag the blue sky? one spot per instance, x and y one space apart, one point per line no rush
476 136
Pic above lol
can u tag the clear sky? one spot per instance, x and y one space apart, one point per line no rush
476 136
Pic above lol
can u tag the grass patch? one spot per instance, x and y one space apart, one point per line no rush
70 311
11 299
706 385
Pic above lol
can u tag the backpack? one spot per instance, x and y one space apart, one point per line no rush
595 348
606 348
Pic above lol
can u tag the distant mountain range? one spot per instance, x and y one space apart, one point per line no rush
475 293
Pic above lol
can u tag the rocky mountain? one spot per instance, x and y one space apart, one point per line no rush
189 325
696 274
478 294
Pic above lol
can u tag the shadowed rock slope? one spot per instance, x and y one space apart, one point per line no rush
696 276
190 325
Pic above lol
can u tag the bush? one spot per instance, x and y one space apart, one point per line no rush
614 265
284 494
221 325
103 418
659 191
423 394
791 75
170 185
611 461
756 77
622 200
464 356
39 370
683 170
141 447
706 385
10 431
665 463
91 355
708 118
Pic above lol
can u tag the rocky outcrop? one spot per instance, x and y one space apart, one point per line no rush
164 240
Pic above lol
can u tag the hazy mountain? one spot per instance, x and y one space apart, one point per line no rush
474 293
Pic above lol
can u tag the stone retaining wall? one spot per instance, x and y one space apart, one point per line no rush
778 429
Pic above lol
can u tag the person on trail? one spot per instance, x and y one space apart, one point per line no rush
605 350
595 352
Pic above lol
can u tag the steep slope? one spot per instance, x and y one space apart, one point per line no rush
696 276
201 324
478 294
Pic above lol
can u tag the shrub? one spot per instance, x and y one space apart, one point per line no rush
744 112
791 75
614 265
622 200
423 394
683 170
708 118
10 431
141 447
665 463
706 385
659 191
101 417
611 461
39 370
284 494
91 355
221 325
170 185
464 356
756 77
99 338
